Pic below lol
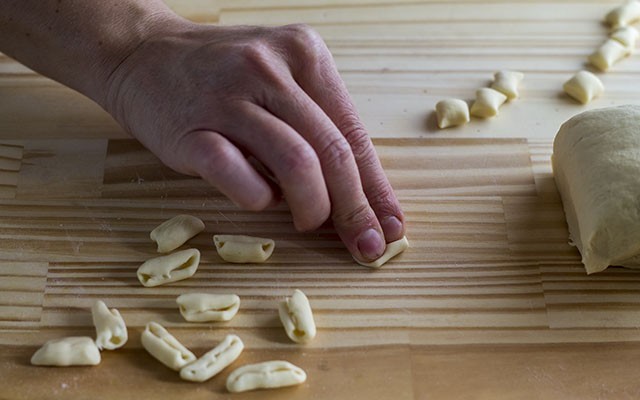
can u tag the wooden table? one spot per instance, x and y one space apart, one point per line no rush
490 301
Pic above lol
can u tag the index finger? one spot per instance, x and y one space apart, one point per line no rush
320 79
353 217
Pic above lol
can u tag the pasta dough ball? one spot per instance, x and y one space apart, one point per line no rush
623 15
487 103
507 83
584 87
610 53
452 112
596 164
627 36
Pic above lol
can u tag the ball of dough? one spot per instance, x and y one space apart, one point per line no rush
596 165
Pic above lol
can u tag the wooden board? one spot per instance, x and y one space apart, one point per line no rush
489 277
489 302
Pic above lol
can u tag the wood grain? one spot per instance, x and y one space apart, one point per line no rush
489 274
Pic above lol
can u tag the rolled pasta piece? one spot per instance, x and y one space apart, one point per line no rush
214 361
583 87
69 351
204 307
175 232
170 268
487 103
243 249
507 83
452 112
297 317
111 331
596 165
392 250
165 348
265 375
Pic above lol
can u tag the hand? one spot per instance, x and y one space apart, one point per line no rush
201 97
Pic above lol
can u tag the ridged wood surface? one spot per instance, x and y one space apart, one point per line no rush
489 302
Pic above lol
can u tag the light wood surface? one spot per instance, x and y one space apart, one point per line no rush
489 302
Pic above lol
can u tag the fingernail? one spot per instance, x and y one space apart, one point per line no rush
371 245
392 228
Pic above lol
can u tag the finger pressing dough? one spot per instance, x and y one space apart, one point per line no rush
584 87
173 233
452 112
265 375
111 331
297 318
203 307
507 83
487 103
170 268
67 352
243 249
596 164
392 250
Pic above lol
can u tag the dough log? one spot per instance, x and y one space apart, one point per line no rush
596 164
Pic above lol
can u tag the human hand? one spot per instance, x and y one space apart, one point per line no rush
201 97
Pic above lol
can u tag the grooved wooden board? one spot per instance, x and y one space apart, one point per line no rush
490 301
489 268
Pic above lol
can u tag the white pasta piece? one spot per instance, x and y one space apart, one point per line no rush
170 268
584 86
297 317
392 250
627 36
452 112
265 375
165 348
203 307
611 52
487 103
111 331
214 361
76 350
173 233
243 249
507 83
624 15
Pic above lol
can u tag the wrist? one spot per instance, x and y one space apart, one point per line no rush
78 42
122 40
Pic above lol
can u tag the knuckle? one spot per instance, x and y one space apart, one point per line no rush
303 34
337 154
264 63
257 55
383 200
254 50
298 160
356 135
307 42
352 217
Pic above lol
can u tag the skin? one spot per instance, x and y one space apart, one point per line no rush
222 103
